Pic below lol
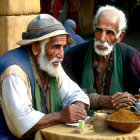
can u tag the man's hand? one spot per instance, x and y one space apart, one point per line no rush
70 114
104 101
73 113
82 105
123 100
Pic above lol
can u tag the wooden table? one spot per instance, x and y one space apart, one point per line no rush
63 132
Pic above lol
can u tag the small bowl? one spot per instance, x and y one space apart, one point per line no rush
123 126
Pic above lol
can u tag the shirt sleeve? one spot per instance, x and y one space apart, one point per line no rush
17 107
70 92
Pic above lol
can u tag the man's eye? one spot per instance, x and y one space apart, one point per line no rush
109 32
56 46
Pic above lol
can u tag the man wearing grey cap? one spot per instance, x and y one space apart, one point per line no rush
36 92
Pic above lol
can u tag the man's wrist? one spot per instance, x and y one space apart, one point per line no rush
93 97
105 102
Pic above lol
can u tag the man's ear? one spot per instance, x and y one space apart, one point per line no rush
121 36
36 48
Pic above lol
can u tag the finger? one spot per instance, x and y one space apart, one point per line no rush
77 116
81 110
130 103
119 101
80 104
76 108
69 113
122 105
82 113
121 93
123 100
77 113
133 99
116 94
130 100
80 116
121 96
130 96
73 120
117 98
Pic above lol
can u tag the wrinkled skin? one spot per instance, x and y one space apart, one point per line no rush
123 100
69 114
73 113
117 101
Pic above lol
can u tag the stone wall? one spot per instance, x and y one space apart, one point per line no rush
14 18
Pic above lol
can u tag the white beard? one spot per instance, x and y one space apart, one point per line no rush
46 65
108 50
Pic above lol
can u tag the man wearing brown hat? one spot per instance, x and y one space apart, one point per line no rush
36 92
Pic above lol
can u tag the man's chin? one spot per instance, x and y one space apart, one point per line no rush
51 73
54 71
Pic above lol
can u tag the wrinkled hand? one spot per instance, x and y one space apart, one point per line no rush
123 100
73 113
105 102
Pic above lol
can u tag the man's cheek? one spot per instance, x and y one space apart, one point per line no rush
50 55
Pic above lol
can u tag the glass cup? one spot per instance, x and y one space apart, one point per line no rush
81 125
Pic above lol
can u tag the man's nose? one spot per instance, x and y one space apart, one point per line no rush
103 37
60 53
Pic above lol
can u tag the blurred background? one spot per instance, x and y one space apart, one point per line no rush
82 12
15 17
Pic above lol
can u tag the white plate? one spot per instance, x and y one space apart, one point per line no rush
73 124
76 124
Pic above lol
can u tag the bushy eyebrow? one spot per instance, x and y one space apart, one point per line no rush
56 45
110 30
97 27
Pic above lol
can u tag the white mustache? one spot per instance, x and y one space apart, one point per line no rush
105 52
56 59
105 44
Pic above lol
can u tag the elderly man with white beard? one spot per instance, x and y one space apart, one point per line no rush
35 91
108 70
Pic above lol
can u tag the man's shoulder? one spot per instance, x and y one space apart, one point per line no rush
125 48
15 70
17 56
127 51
